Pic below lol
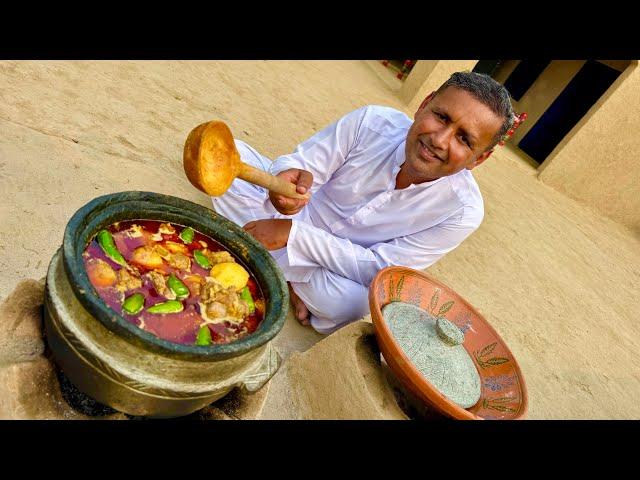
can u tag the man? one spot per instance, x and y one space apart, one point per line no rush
384 191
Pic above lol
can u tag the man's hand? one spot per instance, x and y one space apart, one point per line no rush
290 206
272 233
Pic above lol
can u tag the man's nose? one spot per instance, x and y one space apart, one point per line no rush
440 139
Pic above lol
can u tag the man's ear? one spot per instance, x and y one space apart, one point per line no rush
424 103
480 160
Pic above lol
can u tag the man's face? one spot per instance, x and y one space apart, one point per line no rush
451 132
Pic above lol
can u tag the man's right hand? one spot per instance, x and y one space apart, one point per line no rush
287 205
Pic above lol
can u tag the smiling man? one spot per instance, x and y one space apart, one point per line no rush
385 191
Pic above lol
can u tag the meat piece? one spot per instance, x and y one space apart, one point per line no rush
166 228
215 298
176 260
179 261
209 290
160 284
195 283
216 310
135 231
218 257
127 280
238 308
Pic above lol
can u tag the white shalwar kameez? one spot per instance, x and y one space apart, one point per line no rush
356 222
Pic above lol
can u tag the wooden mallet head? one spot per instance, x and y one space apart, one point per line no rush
212 162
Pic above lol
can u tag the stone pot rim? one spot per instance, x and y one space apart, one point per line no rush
121 206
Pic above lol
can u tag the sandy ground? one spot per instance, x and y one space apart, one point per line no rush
556 280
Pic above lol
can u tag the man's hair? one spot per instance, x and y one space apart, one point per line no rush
488 91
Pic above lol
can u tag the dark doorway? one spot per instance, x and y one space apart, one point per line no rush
586 87
523 77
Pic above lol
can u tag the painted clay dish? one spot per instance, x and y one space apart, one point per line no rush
503 390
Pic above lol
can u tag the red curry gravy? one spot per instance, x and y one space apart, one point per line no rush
166 267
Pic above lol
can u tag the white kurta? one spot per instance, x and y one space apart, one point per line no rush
356 222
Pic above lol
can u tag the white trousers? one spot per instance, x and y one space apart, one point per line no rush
332 300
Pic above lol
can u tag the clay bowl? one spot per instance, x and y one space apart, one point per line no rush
129 369
503 391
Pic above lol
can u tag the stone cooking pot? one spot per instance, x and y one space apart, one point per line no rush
129 369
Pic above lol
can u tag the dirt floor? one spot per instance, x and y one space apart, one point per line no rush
557 281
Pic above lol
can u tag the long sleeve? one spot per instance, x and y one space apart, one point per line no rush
311 246
324 152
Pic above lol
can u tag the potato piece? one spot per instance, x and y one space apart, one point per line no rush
230 274
100 273
147 257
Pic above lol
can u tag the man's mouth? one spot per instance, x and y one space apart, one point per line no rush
427 154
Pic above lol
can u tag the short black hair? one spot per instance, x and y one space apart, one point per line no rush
488 91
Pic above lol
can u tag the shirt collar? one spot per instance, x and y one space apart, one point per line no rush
398 159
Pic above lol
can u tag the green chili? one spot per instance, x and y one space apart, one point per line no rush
133 304
204 336
177 287
245 295
170 306
187 235
201 259
105 240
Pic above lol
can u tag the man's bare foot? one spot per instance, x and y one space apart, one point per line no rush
300 309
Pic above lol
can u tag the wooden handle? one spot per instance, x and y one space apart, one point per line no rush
270 182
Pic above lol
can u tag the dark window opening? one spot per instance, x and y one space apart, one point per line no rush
586 87
523 76
487 66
